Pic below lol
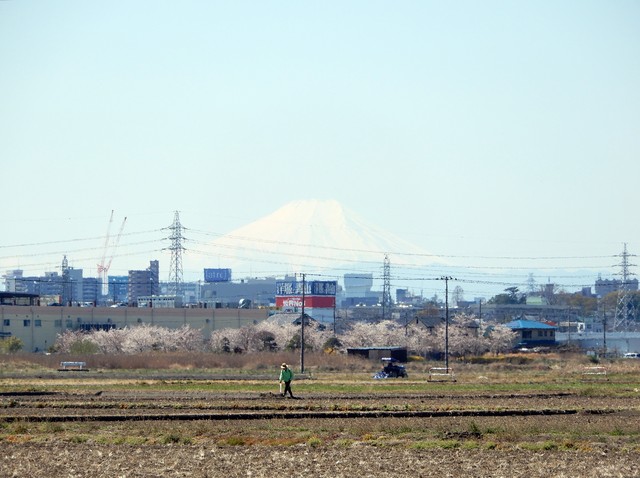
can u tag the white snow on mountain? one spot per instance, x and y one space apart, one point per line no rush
312 236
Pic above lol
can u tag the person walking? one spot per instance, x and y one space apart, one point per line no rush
286 375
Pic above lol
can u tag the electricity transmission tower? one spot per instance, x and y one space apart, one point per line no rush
175 269
386 287
625 308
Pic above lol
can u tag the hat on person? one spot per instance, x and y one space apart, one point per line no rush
284 365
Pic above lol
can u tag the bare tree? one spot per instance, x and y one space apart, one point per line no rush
457 295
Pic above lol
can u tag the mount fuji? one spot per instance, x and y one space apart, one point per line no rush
314 236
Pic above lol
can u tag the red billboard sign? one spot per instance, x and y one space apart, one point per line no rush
295 301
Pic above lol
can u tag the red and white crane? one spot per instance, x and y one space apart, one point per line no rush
103 267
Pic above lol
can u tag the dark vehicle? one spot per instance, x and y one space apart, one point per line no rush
391 369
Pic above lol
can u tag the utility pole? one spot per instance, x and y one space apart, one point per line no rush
604 330
302 327
446 280
334 316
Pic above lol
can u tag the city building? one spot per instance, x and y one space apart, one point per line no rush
607 286
160 301
91 290
118 290
143 283
357 291
72 286
405 298
257 292
39 326
13 281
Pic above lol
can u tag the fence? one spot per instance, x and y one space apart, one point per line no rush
73 366
441 374
594 373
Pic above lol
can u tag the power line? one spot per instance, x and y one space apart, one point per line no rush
471 273
399 253
77 239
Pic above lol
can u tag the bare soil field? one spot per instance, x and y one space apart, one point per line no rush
198 461
115 424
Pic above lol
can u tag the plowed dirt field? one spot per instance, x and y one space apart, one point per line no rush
159 429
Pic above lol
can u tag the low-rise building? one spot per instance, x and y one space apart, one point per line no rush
38 327
531 333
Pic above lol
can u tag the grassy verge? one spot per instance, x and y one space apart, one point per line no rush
557 434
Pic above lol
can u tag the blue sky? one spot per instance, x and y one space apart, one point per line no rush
476 130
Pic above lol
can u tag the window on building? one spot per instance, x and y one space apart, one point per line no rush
6 322
38 323
27 322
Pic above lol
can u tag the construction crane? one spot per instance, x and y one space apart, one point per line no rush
103 267
106 246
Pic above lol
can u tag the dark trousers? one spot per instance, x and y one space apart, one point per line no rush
287 388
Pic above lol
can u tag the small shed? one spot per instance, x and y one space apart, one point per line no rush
377 353
532 333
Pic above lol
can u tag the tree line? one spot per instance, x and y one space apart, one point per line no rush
466 337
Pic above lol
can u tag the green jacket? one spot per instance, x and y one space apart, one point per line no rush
286 375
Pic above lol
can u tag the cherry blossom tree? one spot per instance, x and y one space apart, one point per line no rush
69 339
422 340
501 338
281 334
223 340
379 334
466 337
130 340
111 341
